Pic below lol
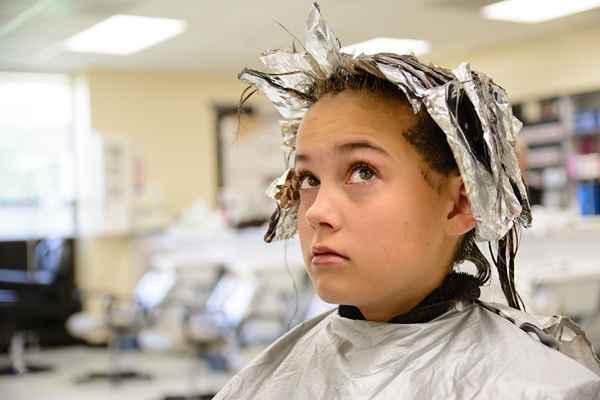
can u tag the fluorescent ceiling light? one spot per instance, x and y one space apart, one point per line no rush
124 34
388 45
532 11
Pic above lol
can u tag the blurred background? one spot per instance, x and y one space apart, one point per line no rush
132 213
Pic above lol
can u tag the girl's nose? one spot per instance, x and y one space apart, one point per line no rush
324 212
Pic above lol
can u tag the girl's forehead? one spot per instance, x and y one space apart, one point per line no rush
355 114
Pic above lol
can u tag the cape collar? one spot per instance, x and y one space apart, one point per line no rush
456 286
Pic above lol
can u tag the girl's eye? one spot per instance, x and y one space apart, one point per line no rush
362 173
308 181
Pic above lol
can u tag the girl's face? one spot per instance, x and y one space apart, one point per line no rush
373 233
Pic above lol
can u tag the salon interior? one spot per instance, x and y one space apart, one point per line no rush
132 182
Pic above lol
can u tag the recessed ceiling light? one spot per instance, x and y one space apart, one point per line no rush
124 34
388 45
532 11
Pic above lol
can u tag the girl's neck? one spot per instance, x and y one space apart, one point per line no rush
456 286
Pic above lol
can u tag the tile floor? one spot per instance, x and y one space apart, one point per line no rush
173 374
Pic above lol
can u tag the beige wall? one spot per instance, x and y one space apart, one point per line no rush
556 64
169 117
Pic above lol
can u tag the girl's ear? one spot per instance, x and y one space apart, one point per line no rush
459 219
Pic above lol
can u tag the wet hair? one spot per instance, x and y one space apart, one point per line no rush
430 142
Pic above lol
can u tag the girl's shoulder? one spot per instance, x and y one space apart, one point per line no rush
248 381
472 351
547 342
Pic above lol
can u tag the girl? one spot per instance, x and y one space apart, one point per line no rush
396 169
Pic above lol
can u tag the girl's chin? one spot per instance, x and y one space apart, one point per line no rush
333 294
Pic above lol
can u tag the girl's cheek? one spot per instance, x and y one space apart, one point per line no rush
306 199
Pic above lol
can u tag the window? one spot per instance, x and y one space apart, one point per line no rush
37 157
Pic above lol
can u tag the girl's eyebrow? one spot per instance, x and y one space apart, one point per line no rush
349 147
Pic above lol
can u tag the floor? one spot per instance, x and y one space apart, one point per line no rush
172 374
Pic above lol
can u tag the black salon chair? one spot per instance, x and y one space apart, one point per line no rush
34 298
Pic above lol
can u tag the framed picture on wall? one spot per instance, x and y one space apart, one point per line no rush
249 159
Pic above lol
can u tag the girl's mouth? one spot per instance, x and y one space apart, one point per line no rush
326 256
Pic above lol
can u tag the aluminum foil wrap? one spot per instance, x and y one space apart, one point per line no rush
491 175
284 222
289 130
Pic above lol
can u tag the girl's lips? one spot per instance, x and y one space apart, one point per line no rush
327 259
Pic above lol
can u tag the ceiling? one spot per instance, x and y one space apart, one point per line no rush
229 34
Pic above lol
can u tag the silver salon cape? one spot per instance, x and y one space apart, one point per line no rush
466 353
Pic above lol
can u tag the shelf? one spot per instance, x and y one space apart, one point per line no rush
546 133
585 134
545 157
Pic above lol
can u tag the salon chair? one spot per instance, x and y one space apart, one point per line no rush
124 319
209 325
282 300
35 297
213 328
19 325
